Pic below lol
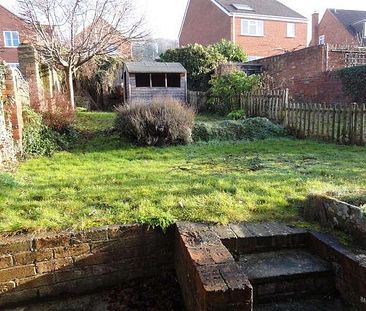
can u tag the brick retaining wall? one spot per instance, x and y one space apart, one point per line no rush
40 266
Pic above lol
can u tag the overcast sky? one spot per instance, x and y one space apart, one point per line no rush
165 16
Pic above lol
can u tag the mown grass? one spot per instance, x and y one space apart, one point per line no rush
103 181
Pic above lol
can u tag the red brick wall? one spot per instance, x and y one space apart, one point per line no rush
274 41
334 31
205 24
10 22
40 266
308 73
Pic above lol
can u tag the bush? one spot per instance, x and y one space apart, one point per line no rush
231 51
236 115
59 116
156 124
250 129
200 62
41 140
228 87
354 81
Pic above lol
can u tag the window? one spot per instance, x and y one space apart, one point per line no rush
112 49
158 79
322 40
252 27
291 30
11 39
142 80
14 65
173 79
243 7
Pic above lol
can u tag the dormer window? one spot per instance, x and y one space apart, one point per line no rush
242 7
364 29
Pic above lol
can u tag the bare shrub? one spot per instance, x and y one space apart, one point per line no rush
163 122
59 114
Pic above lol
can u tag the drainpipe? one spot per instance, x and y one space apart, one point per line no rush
234 29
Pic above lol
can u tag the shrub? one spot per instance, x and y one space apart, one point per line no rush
231 51
159 123
228 87
250 129
354 81
200 62
59 116
236 115
39 139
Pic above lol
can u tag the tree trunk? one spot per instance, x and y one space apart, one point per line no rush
70 86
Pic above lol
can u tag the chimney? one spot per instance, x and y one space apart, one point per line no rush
315 29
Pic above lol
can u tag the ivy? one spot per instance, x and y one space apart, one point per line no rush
354 81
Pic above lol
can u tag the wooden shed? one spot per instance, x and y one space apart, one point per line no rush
145 81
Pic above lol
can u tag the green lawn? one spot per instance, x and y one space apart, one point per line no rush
103 181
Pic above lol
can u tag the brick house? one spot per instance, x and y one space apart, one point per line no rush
13 31
342 27
261 27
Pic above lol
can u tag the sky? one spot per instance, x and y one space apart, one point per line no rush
164 17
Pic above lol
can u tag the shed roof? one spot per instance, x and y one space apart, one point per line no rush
154 67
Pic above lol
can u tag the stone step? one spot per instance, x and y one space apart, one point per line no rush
279 275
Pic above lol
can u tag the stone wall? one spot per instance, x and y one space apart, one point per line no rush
336 214
12 97
46 265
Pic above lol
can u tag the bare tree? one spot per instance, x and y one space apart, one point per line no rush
69 33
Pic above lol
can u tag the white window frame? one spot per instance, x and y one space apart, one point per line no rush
12 39
322 40
258 24
291 30
13 65
364 30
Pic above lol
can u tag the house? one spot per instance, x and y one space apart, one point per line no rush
343 27
144 81
13 31
117 44
261 27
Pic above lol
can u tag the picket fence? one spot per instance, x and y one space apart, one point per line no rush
339 123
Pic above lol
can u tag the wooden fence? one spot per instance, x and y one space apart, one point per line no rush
340 123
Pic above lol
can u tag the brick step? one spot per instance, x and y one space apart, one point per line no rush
313 304
289 273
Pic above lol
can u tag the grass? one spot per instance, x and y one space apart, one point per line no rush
103 181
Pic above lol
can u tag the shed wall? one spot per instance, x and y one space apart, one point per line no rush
147 94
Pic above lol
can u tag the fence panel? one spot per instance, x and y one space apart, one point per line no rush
339 123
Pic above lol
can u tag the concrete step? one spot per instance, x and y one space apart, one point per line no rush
279 275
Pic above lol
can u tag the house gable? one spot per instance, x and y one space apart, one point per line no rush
334 30
204 23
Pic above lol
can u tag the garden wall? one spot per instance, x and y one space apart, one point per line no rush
309 73
13 94
46 265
